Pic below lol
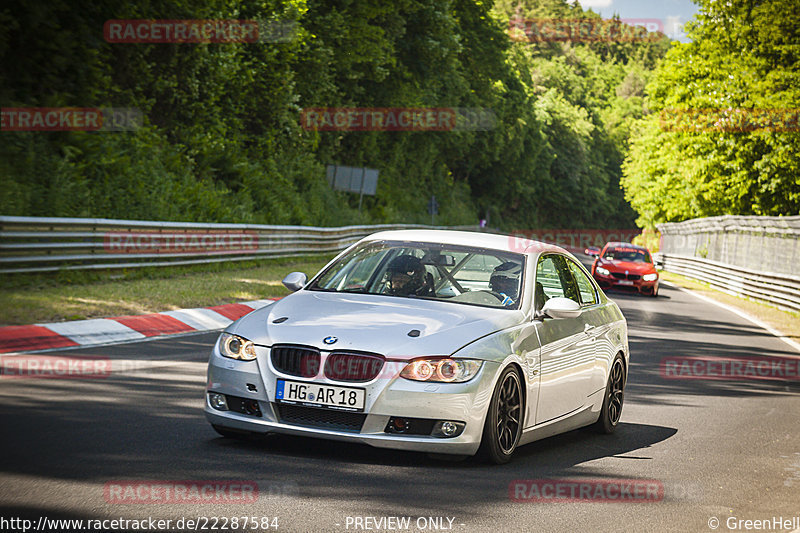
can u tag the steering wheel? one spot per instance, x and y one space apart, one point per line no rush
497 295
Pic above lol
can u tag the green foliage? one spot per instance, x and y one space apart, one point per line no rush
743 57
222 139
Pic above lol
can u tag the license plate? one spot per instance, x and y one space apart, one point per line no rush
625 282
320 395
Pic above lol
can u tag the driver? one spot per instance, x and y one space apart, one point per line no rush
406 276
505 281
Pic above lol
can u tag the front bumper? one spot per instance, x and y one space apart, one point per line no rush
637 285
386 396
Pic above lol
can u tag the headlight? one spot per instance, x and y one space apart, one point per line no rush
442 370
650 277
602 271
236 347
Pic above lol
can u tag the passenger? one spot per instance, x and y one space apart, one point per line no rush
505 281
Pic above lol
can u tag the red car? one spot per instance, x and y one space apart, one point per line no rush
622 265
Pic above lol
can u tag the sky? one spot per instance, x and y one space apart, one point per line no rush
671 14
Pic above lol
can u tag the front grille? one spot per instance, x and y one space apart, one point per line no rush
353 367
620 275
320 418
296 360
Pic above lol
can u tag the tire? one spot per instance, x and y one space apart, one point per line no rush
613 398
503 426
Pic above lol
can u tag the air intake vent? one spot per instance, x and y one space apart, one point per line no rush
320 418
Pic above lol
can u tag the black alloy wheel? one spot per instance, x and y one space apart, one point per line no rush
503 427
614 397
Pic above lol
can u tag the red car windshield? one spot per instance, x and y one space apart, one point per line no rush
630 255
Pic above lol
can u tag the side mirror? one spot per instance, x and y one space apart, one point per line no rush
559 307
592 251
295 281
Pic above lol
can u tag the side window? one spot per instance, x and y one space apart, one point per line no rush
548 282
567 281
554 280
585 286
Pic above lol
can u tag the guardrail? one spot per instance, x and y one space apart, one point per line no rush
751 242
780 290
33 244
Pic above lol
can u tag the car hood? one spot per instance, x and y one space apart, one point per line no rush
373 323
633 268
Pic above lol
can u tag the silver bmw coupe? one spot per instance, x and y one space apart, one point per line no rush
444 342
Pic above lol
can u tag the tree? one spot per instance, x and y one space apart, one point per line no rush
722 134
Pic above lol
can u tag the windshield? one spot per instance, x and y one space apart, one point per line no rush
430 271
631 255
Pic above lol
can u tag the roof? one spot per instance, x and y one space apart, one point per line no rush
506 243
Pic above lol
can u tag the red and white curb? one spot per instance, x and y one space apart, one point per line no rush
119 329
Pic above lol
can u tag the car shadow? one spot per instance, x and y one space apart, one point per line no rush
551 456
411 478
623 295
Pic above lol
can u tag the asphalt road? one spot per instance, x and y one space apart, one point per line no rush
719 448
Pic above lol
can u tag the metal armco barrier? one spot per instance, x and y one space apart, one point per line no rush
752 256
757 243
780 290
33 244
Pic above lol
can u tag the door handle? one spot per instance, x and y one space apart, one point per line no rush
589 329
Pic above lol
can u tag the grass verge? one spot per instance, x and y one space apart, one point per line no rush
77 295
787 323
